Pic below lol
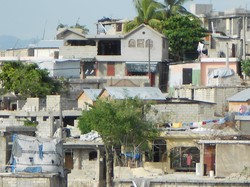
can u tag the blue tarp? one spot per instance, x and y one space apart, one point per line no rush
132 155
33 170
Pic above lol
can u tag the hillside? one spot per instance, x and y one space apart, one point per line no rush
7 42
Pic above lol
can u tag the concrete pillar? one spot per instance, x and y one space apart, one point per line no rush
202 158
3 150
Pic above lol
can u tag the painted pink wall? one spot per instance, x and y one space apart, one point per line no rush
205 66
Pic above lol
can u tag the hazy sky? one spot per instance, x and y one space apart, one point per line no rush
27 19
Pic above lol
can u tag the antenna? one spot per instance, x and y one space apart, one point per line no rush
77 22
44 29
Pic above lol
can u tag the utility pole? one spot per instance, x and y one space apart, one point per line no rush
61 121
227 56
244 38
149 63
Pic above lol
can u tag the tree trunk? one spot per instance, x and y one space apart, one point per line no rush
109 166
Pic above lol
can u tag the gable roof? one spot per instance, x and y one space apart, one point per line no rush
72 30
241 96
91 93
144 93
144 26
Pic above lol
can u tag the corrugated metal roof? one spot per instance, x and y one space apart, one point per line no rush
144 93
241 96
92 93
48 44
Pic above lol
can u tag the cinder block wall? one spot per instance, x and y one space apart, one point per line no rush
10 180
53 102
176 113
217 95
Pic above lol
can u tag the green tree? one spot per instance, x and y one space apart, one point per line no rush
119 122
183 33
84 29
245 66
174 7
148 12
27 80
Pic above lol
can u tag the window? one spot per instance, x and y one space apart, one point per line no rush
109 47
184 158
89 68
149 42
81 43
56 54
140 43
159 149
93 155
131 43
118 27
187 75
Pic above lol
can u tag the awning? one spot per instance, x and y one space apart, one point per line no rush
141 67
88 59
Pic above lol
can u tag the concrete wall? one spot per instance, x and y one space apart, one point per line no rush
45 52
32 180
231 158
210 64
3 150
191 183
34 104
86 172
71 52
218 95
142 54
67 69
16 52
176 74
184 113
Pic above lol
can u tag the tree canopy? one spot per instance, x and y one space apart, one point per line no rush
27 80
183 33
174 7
148 12
119 122
84 29
170 18
245 66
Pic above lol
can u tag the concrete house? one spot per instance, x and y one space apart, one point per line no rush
87 97
46 48
84 157
116 57
42 50
214 156
238 100
143 93
182 113
229 29
207 72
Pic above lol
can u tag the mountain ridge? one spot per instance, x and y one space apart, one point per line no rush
12 42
